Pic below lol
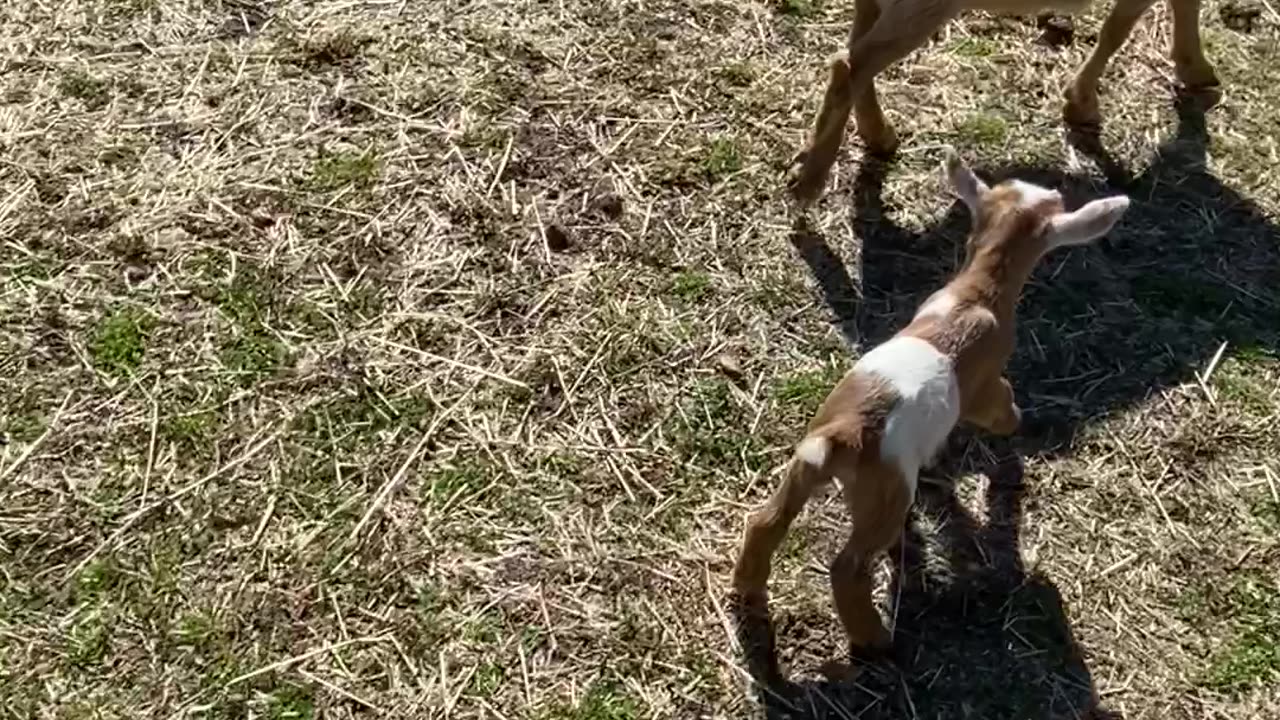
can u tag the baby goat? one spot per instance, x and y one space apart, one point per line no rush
885 31
891 414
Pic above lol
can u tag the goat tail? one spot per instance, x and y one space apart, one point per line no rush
817 457
810 470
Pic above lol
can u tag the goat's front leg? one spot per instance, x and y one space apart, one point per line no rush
1189 63
812 166
879 39
872 126
1082 94
994 409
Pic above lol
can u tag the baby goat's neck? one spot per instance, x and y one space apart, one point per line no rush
996 273
990 282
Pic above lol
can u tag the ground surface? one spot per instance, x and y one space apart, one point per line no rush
423 358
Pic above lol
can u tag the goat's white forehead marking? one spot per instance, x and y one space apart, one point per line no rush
928 406
1030 195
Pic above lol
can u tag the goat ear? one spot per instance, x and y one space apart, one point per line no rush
1086 224
964 183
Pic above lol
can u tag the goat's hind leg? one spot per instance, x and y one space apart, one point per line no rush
812 166
872 126
878 501
767 527
1081 108
1189 63
878 38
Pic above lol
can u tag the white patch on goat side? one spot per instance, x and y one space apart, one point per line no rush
1030 195
813 450
929 402
939 304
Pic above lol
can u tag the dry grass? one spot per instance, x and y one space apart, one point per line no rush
422 357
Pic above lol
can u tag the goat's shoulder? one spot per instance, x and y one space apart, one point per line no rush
951 323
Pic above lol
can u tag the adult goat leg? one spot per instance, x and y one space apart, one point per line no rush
896 31
1189 63
872 126
1081 108
812 166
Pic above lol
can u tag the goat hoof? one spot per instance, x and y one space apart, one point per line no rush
870 653
837 671
1196 77
882 144
805 182
878 643
1204 97
1081 110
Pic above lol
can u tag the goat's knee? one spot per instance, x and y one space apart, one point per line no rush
1008 422
1008 416
838 65
839 92
995 409
813 165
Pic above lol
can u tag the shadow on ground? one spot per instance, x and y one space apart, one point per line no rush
976 636
1192 264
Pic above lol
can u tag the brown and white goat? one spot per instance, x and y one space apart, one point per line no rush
891 414
885 31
